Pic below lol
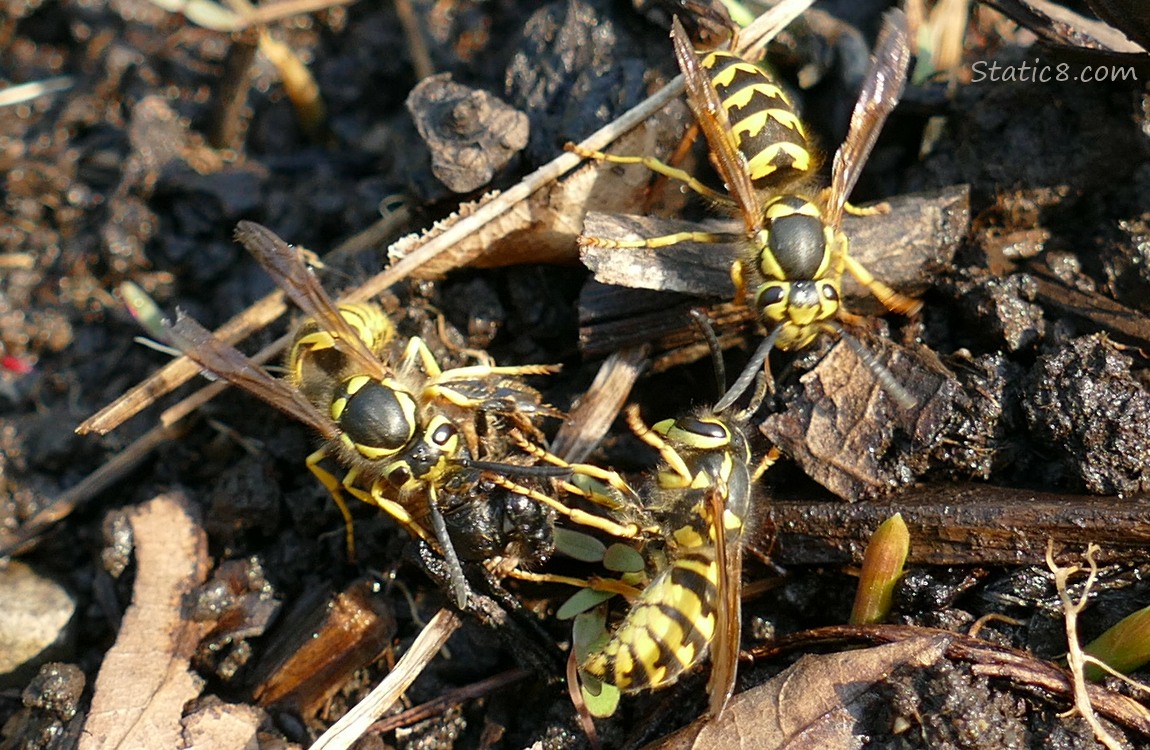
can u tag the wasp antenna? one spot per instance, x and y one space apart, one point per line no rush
757 397
881 372
750 371
707 328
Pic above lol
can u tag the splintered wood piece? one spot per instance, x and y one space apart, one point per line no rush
320 644
614 318
1102 311
971 524
593 414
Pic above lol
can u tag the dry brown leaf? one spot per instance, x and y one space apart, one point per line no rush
146 678
849 436
815 704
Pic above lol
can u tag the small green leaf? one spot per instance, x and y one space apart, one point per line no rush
622 558
578 545
582 601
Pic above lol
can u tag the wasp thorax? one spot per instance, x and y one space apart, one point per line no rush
797 243
374 416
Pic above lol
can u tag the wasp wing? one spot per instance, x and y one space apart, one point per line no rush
881 90
728 608
285 266
712 117
214 355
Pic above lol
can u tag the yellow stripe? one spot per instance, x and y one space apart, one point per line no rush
742 97
725 76
763 163
778 209
753 124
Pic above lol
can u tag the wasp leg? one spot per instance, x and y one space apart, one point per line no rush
417 351
390 507
739 279
677 156
765 463
665 240
334 486
656 166
472 372
875 210
651 438
595 583
581 517
601 494
891 299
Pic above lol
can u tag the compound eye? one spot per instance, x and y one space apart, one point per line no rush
444 434
772 295
830 293
707 429
399 476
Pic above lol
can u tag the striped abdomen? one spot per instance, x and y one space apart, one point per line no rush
668 629
766 129
315 366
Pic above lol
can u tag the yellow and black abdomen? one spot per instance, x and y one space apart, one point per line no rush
316 367
764 124
668 629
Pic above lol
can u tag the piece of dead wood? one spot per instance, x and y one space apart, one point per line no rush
965 524
1098 309
320 643
816 703
542 227
146 678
